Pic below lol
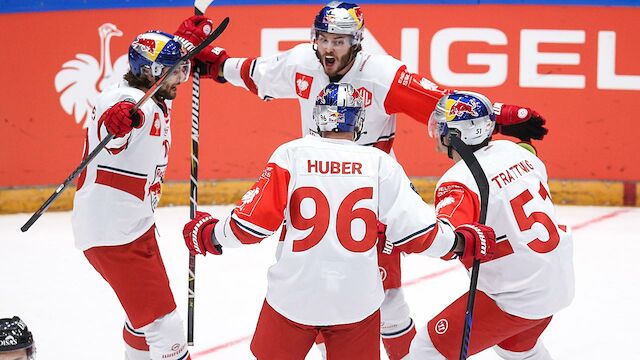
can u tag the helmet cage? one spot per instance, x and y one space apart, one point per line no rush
339 108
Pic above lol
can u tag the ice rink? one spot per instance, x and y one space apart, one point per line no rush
74 314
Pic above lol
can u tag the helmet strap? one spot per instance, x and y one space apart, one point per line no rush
451 133
473 148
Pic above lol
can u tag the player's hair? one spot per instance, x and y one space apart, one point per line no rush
139 82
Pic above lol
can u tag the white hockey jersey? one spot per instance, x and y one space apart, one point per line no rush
384 82
330 194
120 189
531 275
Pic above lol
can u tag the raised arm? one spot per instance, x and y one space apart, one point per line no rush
416 96
268 77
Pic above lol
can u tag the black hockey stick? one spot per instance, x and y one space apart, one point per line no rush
154 88
200 6
483 186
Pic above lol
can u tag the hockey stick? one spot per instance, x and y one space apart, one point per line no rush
200 6
483 186
152 90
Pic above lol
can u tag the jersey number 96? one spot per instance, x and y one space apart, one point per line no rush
320 220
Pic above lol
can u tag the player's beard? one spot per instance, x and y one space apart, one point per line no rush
168 91
333 68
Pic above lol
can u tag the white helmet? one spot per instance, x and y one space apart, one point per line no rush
340 18
339 108
468 113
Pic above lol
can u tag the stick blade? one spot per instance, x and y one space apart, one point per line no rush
202 5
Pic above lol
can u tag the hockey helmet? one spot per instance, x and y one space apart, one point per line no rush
339 108
468 114
157 51
14 335
340 18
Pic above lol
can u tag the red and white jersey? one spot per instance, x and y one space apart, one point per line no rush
330 194
531 275
120 189
384 82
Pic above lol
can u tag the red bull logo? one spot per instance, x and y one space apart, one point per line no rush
329 18
459 109
356 13
151 43
146 44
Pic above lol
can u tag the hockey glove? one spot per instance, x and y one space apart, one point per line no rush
213 59
384 246
479 241
198 235
193 31
119 121
520 122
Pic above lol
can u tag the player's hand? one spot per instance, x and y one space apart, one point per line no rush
213 59
384 246
119 121
520 122
197 235
194 30
479 241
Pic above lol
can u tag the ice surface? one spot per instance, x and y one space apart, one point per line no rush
74 314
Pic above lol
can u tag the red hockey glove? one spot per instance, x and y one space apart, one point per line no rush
384 246
213 59
194 30
198 232
520 122
119 121
479 241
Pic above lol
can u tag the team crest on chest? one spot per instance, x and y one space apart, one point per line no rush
367 96
303 85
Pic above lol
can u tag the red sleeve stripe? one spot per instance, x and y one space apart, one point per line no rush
420 244
129 184
414 235
245 73
248 227
242 233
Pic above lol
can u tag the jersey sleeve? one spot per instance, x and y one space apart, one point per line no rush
456 203
268 77
411 223
414 95
260 212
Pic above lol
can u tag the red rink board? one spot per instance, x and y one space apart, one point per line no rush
591 130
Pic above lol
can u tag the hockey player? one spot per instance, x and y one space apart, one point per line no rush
531 275
388 88
16 341
330 193
113 210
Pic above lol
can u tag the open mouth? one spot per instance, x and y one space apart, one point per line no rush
329 60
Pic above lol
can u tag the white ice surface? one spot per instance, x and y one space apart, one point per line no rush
74 314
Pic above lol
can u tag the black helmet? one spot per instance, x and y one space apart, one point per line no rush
14 335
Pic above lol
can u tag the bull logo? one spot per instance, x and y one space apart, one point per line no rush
460 108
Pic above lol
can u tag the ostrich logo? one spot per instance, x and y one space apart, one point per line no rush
83 78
